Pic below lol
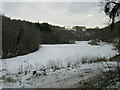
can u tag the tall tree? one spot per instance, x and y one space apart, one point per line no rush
112 9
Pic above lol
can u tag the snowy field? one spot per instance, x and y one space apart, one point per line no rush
62 78
62 54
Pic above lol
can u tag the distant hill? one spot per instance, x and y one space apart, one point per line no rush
23 37
108 34
18 37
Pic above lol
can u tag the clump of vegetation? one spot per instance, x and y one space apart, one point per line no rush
43 69
71 42
93 60
69 65
83 61
117 46
96 60
54 65
34 72
94 42
8 79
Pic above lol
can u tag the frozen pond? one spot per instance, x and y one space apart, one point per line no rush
62 53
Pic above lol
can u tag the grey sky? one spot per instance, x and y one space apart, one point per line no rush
57 13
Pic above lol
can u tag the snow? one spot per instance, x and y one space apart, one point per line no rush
63 78
60 55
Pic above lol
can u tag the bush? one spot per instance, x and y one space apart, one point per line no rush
55 65
94 42
9 79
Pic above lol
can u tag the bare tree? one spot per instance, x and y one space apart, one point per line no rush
112 9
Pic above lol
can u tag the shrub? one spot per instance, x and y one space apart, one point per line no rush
94 42
34 72
55 65
84 60
9 79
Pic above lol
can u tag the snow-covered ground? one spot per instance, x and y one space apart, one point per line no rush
63 78
60 55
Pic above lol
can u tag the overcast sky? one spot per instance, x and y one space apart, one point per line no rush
58 13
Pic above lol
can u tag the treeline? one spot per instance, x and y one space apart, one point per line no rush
109 34
106 34
18 37
22 37
51 34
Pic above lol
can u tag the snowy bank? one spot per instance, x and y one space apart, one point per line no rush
62 54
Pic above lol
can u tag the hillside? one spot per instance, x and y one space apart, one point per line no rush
108 34
23 37
18 37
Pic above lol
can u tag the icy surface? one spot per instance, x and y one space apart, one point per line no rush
62 53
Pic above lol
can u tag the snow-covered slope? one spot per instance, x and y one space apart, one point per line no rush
62 53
